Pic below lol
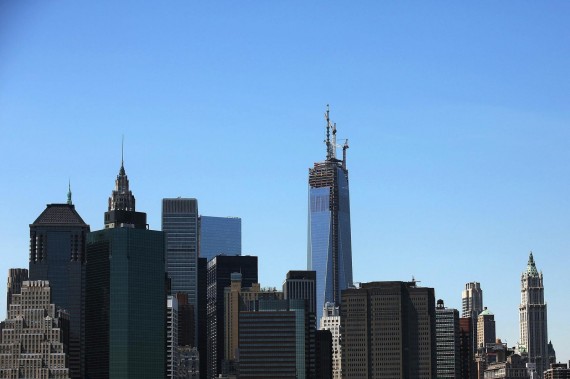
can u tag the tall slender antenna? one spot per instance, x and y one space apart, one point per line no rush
69 193
328 141
333 145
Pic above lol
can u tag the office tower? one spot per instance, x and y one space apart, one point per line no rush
331 321
172 337
219 235
273 340
301 285
180 224
32 344
323 354
551 353
388 331
533 317
557 371
203 317
485 328
125 293
236 300
329 250
472 300
466 352
219 273
472 306
447 341
15 278
57 254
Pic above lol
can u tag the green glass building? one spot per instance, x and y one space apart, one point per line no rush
125 294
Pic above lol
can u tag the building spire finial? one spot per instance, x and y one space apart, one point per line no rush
69 202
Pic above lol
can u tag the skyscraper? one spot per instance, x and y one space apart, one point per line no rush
533 317
472 306
388 331
180 224
447 341
57 254
219 235
329 250
472 300
331 321
125 293
485 328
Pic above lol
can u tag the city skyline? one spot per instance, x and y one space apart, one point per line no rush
457 125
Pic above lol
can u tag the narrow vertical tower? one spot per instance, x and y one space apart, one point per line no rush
532 317
329 250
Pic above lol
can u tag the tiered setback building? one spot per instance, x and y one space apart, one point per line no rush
32 343
16 276
388 331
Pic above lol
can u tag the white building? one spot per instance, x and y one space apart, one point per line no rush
331 321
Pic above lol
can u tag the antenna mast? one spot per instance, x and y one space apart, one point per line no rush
328 140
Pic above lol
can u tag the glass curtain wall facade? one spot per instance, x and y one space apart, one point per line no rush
329 248
219 235
180 224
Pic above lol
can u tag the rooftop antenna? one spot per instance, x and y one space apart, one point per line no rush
333 152
328 141
344 147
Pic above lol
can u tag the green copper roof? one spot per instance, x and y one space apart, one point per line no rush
486 312
531 266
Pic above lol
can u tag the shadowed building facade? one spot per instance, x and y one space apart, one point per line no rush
329 249
388 331
57 255
16 277
126 297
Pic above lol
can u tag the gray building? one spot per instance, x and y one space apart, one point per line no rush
180 224
273 340
16 277
447 341
533 318
33 340
219 235
388 331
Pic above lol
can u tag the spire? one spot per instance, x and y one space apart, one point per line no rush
69 193
531 266
122 170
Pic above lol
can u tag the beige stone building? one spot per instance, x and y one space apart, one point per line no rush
32 342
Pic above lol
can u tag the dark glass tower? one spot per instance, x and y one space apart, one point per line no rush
57 254
329 250
180 225
126 297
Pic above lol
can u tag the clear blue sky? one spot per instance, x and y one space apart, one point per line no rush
457 117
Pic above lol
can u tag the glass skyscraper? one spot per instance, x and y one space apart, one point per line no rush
329 250
219 235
